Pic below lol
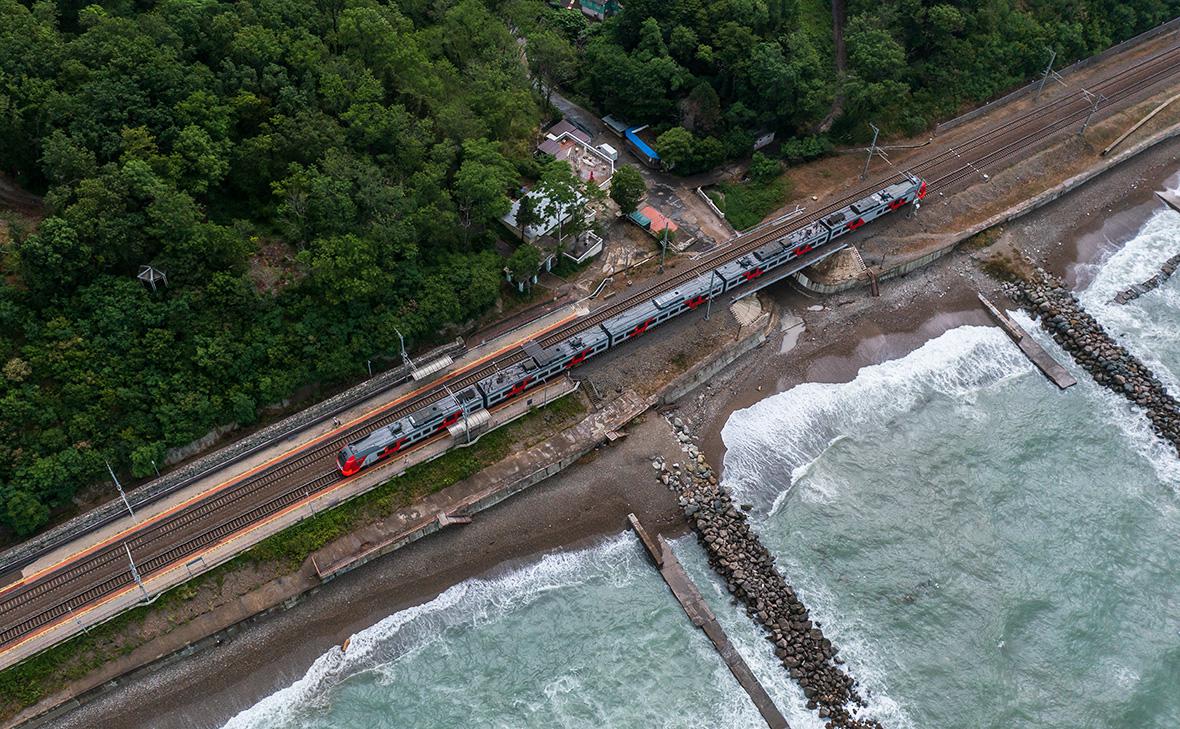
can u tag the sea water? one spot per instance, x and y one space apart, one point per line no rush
986 551
586 638
990 551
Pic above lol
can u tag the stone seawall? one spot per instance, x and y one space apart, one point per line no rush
1108 362
749 337
1166 271
750 575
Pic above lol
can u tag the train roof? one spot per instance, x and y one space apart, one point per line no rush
899 189
379 436
686 290
444 406
588 339
622 323
838 217
866 204
540 356
733 269
508 375
802 235
467 397
770 250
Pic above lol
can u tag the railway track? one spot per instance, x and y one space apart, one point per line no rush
31 605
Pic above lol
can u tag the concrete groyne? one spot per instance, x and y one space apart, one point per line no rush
1107 361
736 554
701 616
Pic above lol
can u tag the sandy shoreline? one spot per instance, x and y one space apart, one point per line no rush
588 502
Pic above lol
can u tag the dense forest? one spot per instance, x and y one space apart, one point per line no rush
315 176
707 74
310 176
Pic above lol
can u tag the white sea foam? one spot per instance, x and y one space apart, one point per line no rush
1128 418
410 630
1132 324
786 432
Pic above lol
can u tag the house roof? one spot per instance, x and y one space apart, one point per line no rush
615 123
540 204
565 127
658 220
590 164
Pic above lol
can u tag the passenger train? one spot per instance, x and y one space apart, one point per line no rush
541 364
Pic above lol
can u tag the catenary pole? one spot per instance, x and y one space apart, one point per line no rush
135 572
1045 75
119 486
872 150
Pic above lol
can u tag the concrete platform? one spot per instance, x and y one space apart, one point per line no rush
698 612
1057 374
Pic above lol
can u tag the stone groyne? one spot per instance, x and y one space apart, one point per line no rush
1107 361
750 575
1166 271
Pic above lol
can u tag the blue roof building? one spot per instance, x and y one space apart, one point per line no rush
642 148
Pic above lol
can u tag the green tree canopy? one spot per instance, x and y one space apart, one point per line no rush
627 188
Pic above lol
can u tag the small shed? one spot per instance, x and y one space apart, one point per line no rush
641 147
617 126
653 221
640 219
763 139
565 126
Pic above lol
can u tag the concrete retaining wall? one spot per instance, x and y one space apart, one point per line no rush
704 371
1007 216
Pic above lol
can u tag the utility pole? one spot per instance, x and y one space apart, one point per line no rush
1046 74
872 150
370 364
135 572
1095 100
401 343
663 249
119 486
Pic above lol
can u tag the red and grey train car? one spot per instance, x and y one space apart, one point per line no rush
541 364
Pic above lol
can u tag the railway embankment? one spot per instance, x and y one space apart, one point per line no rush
748 569
494 482
144 497
1091 346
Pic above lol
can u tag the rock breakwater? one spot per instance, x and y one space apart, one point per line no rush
1108 362
1150 284
750 575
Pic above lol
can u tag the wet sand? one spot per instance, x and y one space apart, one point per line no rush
590 500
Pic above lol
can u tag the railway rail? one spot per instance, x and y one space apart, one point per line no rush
44 599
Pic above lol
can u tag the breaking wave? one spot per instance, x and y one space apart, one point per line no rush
477 601
787 432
